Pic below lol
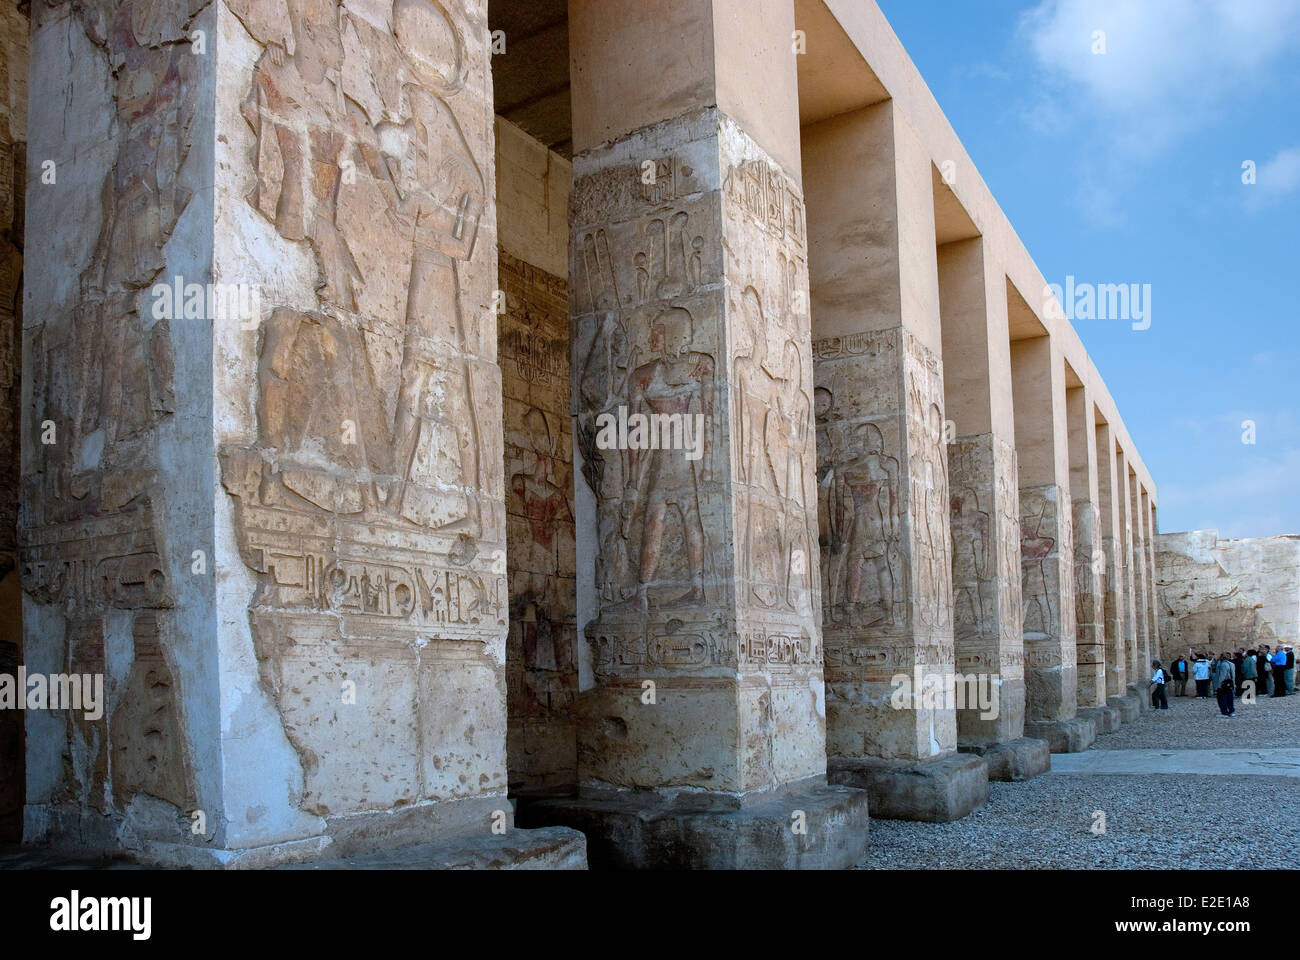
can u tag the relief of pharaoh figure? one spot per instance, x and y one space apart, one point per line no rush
759 435
865 516
359 155
1037 526
677 381
971 528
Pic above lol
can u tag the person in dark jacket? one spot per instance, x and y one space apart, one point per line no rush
1237 660
1279 672
1263 668
1179 670
1290 669
1249 672
1225 681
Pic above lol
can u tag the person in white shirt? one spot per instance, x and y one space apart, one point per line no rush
1158 680
1201 674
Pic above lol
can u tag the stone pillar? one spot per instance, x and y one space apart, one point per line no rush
697 551
985 513
1136 670
273 516
882 469
1153 605
14 28
1117 667
1089 562
1141 580
1046 547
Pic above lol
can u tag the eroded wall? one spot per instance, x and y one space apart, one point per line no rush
1247 591
14 28
533 340
118 198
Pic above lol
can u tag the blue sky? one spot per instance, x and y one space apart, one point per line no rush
1126 167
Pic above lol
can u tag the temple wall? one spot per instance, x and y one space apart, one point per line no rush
1247 591
533 338
14 28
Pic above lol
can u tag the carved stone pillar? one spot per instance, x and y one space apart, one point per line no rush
1141 580
274 514
1089 562
693 405
1117 667
985 513
1046 547
883 470
1136 686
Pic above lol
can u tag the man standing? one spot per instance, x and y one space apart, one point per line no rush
1249 671
1224 682
1279 673
1179 670
1290 669
1201 674
1264 668
1158 680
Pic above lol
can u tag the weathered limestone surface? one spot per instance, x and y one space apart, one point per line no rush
1247 591
108 535
702 653
983 488
533 340
305 644
14 28
883 490
1046 546
1089 560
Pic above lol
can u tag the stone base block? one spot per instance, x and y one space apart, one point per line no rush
936 791
549 848
1012 762
1142 695
1104 719
1063 736
818 827
1129 708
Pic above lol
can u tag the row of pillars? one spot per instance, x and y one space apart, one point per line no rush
903 476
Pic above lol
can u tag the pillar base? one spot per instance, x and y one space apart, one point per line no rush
1012 762
1128 706
1104 719
1143 697
1063 736
935 791
548 848
645 830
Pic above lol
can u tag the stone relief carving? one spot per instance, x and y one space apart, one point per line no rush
639 349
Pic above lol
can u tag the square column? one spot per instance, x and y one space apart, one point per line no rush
693 412
1089 561
883 467
274 517
1046 546
1127 575
985 511
1117 667
1153 607
1141 580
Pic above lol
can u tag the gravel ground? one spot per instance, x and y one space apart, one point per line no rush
1191 724
1152 821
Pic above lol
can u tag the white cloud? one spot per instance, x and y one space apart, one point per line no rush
1276 178
1170 66
1236 498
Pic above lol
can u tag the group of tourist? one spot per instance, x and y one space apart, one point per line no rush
1268 671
